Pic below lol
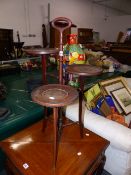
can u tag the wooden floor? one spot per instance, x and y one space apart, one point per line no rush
34 148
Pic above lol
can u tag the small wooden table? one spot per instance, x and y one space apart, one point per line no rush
43 52
82 70
55 96
30 152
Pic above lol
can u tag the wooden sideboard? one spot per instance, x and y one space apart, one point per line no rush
120 53
85 35
55 37
6 43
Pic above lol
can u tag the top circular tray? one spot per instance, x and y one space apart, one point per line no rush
41 51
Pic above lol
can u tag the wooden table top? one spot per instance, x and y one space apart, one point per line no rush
84 70
41 51
34 148
54 95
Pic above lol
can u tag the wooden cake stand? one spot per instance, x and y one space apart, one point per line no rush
82 70
43 52
55 96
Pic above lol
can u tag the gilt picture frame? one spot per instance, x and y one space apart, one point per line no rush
123 98
111 85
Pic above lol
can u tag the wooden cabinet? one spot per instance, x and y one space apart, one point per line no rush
85 35
55 37
120 53
6 43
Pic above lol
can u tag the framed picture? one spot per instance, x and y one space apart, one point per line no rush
91 95
111 85
123 97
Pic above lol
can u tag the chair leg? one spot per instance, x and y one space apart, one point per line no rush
81 120
55 116
45 120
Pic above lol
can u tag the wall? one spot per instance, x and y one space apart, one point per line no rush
113 26
27 16
24 16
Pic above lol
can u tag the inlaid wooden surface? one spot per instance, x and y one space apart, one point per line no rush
84 70
34 148
54 95
41 51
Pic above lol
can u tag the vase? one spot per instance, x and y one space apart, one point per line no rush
73 53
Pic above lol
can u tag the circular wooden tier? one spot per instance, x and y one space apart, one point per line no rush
41 51
54 95
84 70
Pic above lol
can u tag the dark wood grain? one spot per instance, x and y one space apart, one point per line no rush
54 95
82 70
41 51
34 147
